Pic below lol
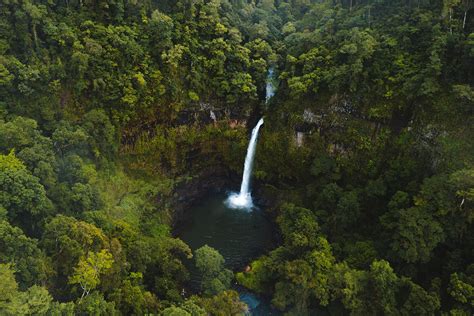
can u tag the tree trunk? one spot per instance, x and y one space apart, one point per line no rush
83 293
464 20
35 35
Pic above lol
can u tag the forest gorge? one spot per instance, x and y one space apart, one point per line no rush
110 109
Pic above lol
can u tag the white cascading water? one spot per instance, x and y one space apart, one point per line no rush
243 199
270 89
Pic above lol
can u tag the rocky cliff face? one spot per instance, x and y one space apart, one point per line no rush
189 191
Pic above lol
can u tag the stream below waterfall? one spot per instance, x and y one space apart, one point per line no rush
239 235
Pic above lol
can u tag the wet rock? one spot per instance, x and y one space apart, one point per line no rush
189 191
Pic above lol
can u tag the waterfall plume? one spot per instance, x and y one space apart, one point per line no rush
243 199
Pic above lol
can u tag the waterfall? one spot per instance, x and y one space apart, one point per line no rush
299 139
244 188
270 89
243 199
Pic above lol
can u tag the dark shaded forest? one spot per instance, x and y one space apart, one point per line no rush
365 163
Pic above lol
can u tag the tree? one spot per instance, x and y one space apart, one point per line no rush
33 149
214 277
35 13
299 227
188 308
301 280
449 197
102 133
62 309
21 194
132 298
35 301
67 139
31 265
461 289
295 290
95 304
223 304
76 191
161 31
360 254
462 183
8 289
89 269
175 311
347 285
347 213
166 263
382 288
419 301
370 292
38 300
261 276
415 232
66 240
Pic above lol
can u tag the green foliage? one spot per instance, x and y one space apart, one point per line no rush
34 301
224 303
102 133
61 309
132 298
66 240
21 194
36 151
175 311
360 254
300 270
380 291
299 227
8 289
38 300
415 232
258 277
29 261
461 289
189 307
95 304
89 269
419 301
214 277
103 114
382 286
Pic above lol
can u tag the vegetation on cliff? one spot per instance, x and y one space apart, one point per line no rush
107 106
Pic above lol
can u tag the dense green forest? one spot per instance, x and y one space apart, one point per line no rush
365 162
